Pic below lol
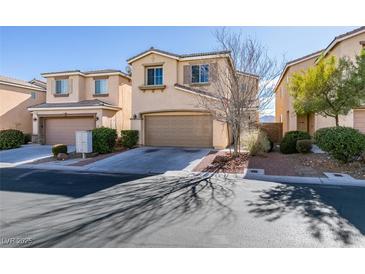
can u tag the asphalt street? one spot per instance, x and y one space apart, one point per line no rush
44 208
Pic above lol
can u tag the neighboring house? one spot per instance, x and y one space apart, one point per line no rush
79 100
15 97
166 88
345 45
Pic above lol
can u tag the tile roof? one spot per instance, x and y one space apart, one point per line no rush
85 103
180 55
39 83
195 90
100 71
305 57
9 80
349 33
341 37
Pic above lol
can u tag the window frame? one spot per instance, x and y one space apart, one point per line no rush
33 95
106 87
154 68
200 70
62 92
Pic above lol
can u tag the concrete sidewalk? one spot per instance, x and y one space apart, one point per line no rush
337 179
26 154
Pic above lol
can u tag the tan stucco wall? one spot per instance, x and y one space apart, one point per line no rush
168 99
346 48
119 95
74 94
14 102
284 102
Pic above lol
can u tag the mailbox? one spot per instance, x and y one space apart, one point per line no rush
84 141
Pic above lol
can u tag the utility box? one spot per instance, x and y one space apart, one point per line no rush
84 141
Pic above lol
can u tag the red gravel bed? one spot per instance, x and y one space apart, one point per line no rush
223 162
276 163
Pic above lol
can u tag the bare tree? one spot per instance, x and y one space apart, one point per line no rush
244 86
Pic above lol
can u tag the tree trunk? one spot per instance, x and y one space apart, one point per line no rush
336 118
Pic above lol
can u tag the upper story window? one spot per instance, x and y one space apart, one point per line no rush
154 76
33 95
101 86
62 86
200 73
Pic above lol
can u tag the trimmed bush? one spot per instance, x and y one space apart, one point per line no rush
129 138
59 148
304 146
256 142
27 138
11 138
289 143
104 139
345 144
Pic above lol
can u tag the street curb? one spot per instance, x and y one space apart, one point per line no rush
306 180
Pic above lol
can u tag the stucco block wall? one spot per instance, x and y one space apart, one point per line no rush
14 102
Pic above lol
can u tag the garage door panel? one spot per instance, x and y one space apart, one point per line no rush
62 130
179 130
359 120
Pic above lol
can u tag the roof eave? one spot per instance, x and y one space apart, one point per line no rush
289 64
340 39
133 59
73 108
22 86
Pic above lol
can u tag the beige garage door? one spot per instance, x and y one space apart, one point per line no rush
359 119
176 130
62 130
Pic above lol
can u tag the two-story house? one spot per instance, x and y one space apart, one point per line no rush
346 45
166 88
77 100
15 97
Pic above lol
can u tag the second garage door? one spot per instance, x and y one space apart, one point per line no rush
359 119
179 130
62 130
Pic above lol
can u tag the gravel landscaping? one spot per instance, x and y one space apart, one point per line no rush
276 163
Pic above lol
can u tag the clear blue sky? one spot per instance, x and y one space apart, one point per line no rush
25 52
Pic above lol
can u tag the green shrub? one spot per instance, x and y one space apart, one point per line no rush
104 139
11 138
289 143
256 142
129 138
304 146
59 148
27 138
343 143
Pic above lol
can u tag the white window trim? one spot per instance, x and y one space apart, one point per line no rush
199 77
146 75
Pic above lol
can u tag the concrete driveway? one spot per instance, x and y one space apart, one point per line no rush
25 154
149 160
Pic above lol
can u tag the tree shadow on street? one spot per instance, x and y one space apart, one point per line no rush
339 210
113 216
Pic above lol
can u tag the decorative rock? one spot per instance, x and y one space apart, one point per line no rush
62 156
